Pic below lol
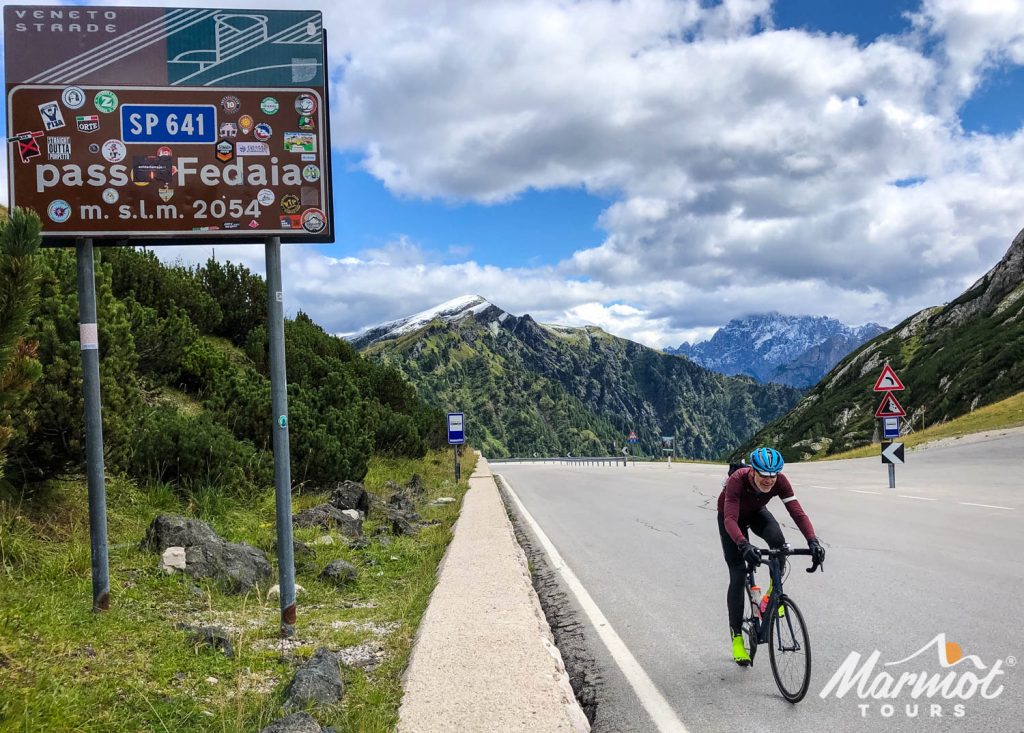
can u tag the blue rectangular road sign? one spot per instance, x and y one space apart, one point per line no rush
168 123
891 427
456 428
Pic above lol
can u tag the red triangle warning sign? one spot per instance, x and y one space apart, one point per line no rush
887 380
890 407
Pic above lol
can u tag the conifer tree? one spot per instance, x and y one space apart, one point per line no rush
19 294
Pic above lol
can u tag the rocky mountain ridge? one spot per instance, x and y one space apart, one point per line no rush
772 347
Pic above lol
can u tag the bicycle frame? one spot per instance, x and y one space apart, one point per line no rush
775 568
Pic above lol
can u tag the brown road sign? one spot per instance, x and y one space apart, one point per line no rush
196 124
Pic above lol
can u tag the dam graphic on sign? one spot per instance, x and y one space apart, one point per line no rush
200 47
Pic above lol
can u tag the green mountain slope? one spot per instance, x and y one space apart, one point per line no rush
528 388
950 358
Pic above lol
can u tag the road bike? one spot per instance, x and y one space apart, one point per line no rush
780 625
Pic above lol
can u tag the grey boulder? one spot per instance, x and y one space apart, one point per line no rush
294 723
317 682
339 572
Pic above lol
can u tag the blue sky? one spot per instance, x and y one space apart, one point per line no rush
657 167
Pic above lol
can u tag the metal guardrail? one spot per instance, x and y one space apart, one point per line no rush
572 460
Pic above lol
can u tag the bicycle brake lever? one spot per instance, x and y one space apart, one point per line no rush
815 566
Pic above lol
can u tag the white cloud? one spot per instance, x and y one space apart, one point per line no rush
974 36
753 170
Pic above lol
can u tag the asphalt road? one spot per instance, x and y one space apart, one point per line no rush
939 554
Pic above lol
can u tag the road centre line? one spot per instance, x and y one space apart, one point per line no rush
861 491
827 488
921 498
987 506
654 703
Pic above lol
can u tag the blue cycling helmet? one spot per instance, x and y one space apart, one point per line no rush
766 461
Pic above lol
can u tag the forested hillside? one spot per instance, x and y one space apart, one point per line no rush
184 378
528 388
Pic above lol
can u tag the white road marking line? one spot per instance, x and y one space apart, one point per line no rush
656 705
860 491
922 498
987 506
827 488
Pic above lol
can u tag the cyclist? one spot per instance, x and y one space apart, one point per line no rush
741 508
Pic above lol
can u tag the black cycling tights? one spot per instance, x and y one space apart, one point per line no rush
765 526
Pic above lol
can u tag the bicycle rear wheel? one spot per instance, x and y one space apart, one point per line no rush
789 648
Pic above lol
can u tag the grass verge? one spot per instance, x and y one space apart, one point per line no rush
64 668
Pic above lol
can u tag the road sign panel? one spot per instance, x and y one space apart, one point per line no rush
169 123
887 380
892 453
891 427
456 428
632 437
890 407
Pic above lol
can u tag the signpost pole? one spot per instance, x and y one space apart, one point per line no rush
89 339
456 437
282 452
889 412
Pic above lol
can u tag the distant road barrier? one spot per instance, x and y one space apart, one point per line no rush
581 460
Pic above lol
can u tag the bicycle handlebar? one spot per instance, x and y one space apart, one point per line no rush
785 551
782 551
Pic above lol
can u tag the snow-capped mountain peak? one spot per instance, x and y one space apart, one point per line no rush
794 350
452 310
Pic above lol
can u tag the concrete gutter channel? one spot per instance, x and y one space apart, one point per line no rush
484 658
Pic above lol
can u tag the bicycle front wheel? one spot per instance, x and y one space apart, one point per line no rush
789 648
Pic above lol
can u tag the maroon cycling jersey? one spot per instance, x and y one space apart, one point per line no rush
739 500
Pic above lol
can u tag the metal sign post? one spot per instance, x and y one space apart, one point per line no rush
282 450
456 437
889 412
668 445
90 345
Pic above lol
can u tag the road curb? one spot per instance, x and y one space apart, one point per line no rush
484 657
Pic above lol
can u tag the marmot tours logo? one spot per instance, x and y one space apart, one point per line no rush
915 689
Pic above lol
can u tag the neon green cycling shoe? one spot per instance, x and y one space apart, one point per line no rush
739 651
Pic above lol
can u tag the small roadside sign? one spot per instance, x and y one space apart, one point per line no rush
632 436
890 407
456 428
887 380
891 427
892 452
